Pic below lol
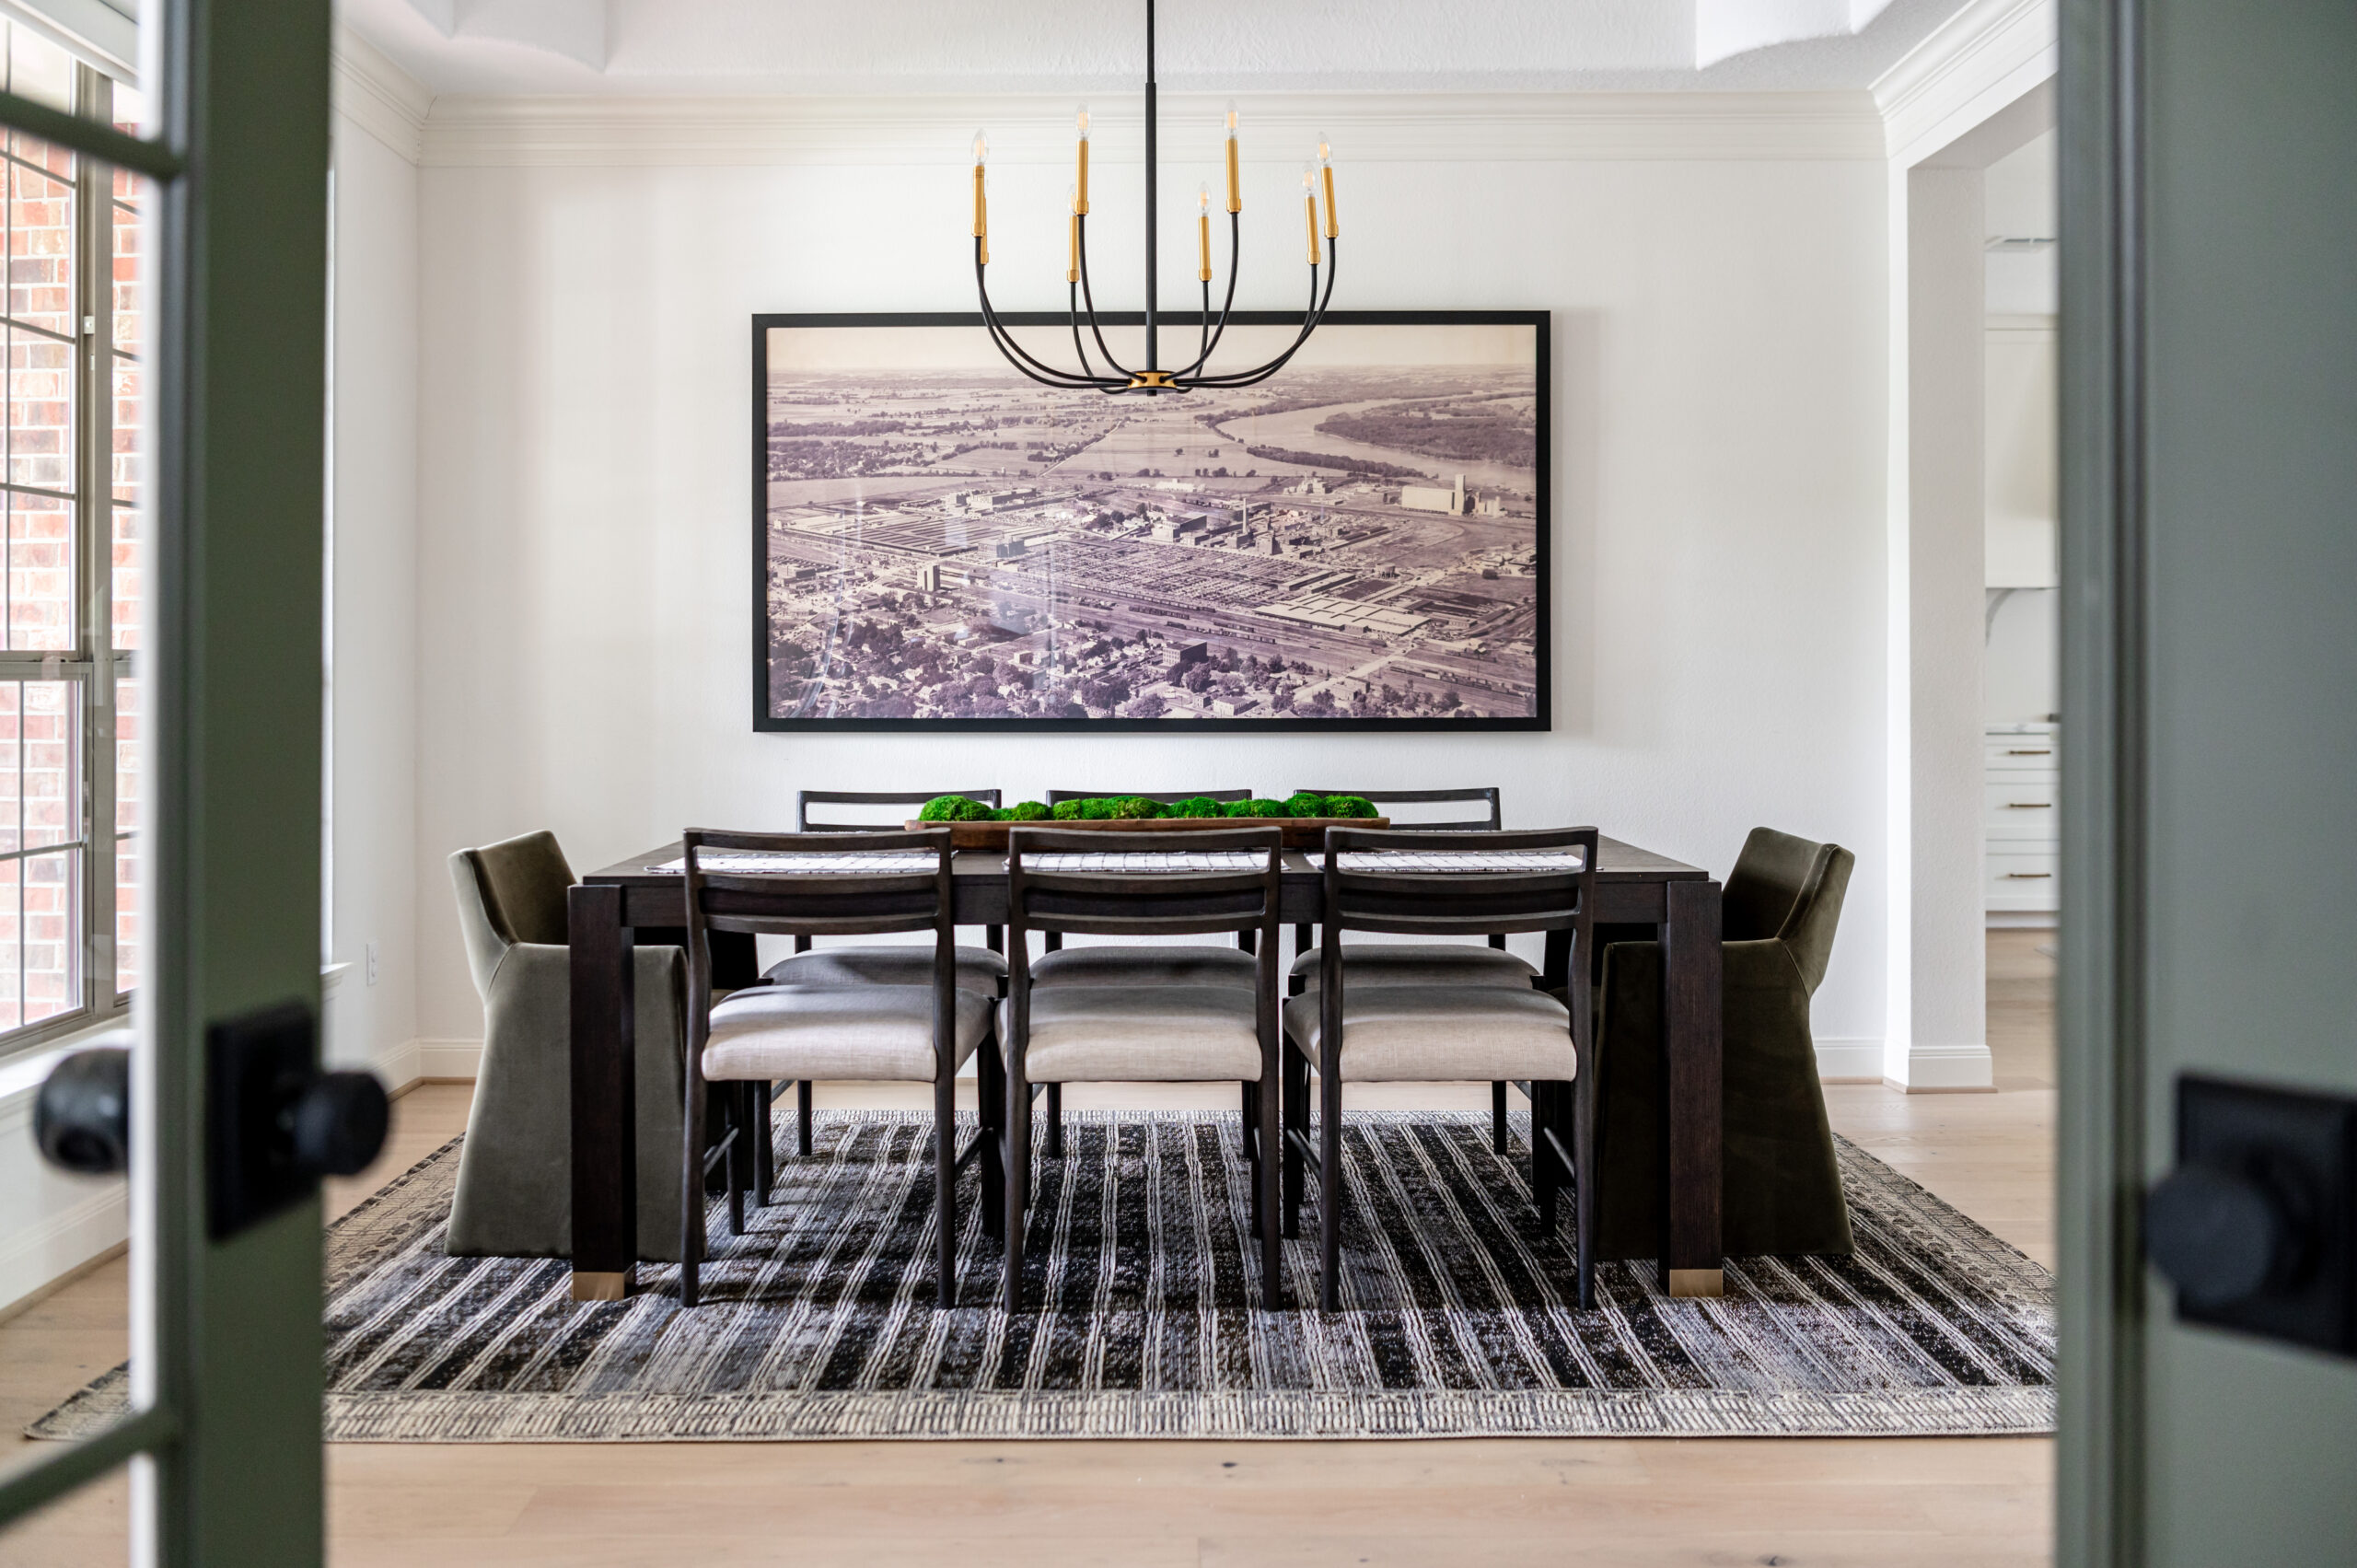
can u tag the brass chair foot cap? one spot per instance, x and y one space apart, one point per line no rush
1682 1282
591 1284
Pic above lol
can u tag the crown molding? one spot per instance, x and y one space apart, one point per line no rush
378 96
1983 58
461 132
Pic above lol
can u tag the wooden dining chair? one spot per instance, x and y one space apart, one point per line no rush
1426 962
1355 1032
1173 964
980 968
1164 1033
919 1033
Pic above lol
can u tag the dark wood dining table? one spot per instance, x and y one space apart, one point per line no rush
614 909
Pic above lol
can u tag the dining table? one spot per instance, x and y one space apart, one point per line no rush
617 907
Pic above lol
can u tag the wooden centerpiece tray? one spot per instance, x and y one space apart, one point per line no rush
1301 832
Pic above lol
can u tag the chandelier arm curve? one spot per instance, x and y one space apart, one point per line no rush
1045 374
1088 297
1235 249
1309 323
1073 305
1016 354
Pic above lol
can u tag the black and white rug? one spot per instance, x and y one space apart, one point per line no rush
1458 1315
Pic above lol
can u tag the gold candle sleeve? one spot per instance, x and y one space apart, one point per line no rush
1309 213
1235 189
1331 232
1072 272
1081 205
981 223
1203 246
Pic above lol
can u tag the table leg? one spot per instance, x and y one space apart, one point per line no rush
1693 1029
604 1081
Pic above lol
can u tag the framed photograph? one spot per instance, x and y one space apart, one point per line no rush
1360 542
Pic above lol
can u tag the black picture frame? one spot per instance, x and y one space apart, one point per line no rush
1539 719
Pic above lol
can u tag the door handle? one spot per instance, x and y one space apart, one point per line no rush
82 1116
2029 806
2257 1227
275 1122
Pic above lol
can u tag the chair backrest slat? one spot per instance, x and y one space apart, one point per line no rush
1170 797
1485 795
806 822
823 903
1156 903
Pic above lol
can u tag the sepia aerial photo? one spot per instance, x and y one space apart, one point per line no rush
1358 538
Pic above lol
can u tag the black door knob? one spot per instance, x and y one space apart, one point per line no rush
338 1123
2219 1236
82 1116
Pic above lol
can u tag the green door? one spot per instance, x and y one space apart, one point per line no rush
227 1351
2209 929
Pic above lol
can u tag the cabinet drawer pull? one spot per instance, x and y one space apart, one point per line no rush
2029 753
2027 875
2029 806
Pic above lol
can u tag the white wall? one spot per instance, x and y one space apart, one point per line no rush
375 587
583 578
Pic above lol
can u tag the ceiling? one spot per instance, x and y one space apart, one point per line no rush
734 46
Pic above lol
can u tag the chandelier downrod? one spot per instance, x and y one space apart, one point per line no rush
1152 379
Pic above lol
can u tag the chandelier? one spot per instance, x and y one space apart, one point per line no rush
1150 378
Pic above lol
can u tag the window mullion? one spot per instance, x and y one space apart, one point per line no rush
94 540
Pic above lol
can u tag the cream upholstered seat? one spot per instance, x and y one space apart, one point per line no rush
1422 963
1428 1033
821 1031
1164 964
979 969
1166 1034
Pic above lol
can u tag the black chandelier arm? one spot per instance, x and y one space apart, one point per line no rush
1234 251
1038 370
1089 299
1309 323
1072 302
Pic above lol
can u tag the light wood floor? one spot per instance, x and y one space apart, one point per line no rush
1467 1503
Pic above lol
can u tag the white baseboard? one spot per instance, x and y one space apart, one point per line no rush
448 1058
396 1065
2022 920
63 1240
1849 1061
1949 1069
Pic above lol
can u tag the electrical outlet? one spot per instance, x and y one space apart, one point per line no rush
372 963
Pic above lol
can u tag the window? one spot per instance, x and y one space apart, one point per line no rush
70 502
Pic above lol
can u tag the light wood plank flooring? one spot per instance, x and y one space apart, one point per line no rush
1480 1504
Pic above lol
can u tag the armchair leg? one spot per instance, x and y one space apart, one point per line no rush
1294 1075
1498 1140
802 1113
944 1185
764 1150
1251 1122
1330 1183
1018 1167
1583 1196
990 1085
732 1163
1543 1164
692 1195
1266 1097
1055 1142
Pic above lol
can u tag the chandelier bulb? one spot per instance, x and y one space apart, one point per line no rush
1083 118
1203 199
1231 120
981 149
1325 150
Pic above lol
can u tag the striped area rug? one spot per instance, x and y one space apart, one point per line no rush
1457 1321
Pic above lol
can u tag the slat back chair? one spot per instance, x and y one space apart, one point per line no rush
1449 904
1169 798
1490 821
824 821
1054 939
837 903
1141 903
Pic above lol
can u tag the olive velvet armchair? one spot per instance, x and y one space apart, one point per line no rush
1782 1188
515 1196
